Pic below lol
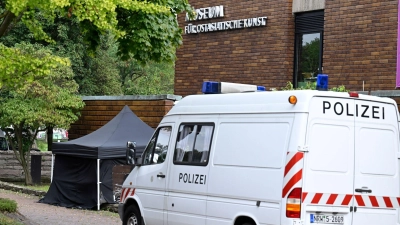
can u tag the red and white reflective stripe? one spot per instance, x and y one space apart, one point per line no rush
293 172
377 201
326 199
125 193
369 201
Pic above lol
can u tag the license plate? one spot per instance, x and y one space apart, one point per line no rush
327 219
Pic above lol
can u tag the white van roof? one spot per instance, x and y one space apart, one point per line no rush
258 102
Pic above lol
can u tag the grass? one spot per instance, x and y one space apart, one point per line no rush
42 187
5 220
8 206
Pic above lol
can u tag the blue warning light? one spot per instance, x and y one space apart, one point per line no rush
211 87
260 88
322 82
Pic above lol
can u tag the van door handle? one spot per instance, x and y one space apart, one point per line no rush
363 189
161 175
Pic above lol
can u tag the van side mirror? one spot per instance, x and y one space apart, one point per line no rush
130 152
131 158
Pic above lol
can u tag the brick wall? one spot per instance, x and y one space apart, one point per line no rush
360 44
360 39
258 55
11 170
100 110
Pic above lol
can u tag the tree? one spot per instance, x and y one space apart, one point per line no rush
151 79
95 72
102 74
145 30
19 66
48 99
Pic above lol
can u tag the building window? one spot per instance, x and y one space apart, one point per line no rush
308 47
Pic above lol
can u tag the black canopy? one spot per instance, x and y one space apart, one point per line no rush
85 164
109 141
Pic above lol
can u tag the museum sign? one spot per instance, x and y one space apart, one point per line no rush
218 12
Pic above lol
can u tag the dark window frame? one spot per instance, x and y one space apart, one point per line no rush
154 147
307 23
194 142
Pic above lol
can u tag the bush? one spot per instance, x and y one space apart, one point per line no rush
7 205
312 86
42 145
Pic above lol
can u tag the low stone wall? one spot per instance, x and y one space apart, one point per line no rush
11 170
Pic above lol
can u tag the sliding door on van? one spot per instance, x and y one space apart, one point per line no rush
188 175
376 182
328 182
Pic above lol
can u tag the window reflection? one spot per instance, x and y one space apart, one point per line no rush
308 58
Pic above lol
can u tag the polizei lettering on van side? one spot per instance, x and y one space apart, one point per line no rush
366 111
192 178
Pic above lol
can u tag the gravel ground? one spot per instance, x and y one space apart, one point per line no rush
43 214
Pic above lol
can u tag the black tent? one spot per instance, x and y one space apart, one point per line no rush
82 164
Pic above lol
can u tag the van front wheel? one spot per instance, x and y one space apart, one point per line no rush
132 216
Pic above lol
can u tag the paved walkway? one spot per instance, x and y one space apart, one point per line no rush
43 214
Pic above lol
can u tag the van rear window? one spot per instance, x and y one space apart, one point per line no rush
193 144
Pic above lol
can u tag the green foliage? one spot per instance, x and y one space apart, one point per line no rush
310 56
145 30
102 76
42 145
312 86
340 88
23 63
4 220
151 79
7 205
49 99
101 14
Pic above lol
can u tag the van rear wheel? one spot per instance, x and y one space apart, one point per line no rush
132 216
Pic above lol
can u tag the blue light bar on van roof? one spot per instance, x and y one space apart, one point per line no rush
322 82
212 87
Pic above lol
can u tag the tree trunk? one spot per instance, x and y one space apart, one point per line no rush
49 137
25 163
28 176
6 23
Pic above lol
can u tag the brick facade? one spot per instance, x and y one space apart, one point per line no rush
360 43
360 39
99 110
257 55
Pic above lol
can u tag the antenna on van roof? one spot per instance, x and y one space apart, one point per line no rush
213 87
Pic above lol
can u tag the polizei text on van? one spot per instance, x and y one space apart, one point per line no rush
366 111
192 178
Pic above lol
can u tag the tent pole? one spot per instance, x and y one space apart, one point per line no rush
98 184
52 167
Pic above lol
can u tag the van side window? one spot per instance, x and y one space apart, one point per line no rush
156 150
193 144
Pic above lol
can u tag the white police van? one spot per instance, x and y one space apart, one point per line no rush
282 157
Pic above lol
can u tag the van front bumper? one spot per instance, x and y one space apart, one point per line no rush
121 211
